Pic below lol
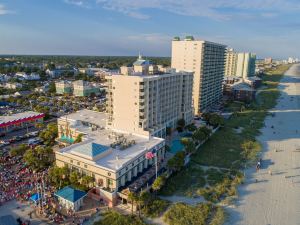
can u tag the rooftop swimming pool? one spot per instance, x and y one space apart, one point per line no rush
176 146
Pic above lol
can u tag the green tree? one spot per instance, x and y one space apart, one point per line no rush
39 158
216 120
184 141
115 218
177 162
181 123
59 176
190 147
49 134
158 183
131 198
201 134
19 151
52 88
145 199
87 181
78 138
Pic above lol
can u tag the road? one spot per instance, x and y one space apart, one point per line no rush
275 198
22 132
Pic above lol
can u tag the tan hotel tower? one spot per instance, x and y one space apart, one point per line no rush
207 61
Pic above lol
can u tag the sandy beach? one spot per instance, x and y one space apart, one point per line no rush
275 199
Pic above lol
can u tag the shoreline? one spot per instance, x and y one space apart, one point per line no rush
255 199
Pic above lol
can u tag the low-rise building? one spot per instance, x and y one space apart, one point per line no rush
254 82
14 85
64 87
58 72
70 198
25 76
19 121
85 88
243 92
114 158
4 77
42 89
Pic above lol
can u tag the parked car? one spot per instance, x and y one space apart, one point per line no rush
33 134
34 141
18 138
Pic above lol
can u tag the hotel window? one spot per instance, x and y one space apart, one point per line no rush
109 182
78 163
71 161
85 166
108 173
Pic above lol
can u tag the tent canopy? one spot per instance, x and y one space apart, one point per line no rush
35 197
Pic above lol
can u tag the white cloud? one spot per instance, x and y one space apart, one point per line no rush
4 11
201 8
80 3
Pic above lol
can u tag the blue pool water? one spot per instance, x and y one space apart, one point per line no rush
176 146
186 134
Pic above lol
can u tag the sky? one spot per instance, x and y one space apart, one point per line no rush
269 28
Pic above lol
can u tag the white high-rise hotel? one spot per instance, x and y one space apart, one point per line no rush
148 104
207 60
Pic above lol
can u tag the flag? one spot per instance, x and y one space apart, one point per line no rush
149 155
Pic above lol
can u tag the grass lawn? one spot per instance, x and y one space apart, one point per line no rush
185 182
224 148
201 214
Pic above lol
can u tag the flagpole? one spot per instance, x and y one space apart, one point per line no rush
156 165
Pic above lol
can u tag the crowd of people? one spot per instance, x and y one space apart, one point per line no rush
19 182
16 179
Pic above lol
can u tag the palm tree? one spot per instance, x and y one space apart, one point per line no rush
144 199
131 197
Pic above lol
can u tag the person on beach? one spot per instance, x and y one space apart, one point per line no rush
270 172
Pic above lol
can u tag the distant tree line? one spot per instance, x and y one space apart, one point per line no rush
109 62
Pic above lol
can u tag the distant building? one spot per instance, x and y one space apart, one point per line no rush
42 89
240 64
19 121
22 93
64 87
12 85
58 72
4 78
239 91
90 71
230 64
140 67
85 88
268 60
206 59
125 70
77 88
242 92
245 65
25 76
254 82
